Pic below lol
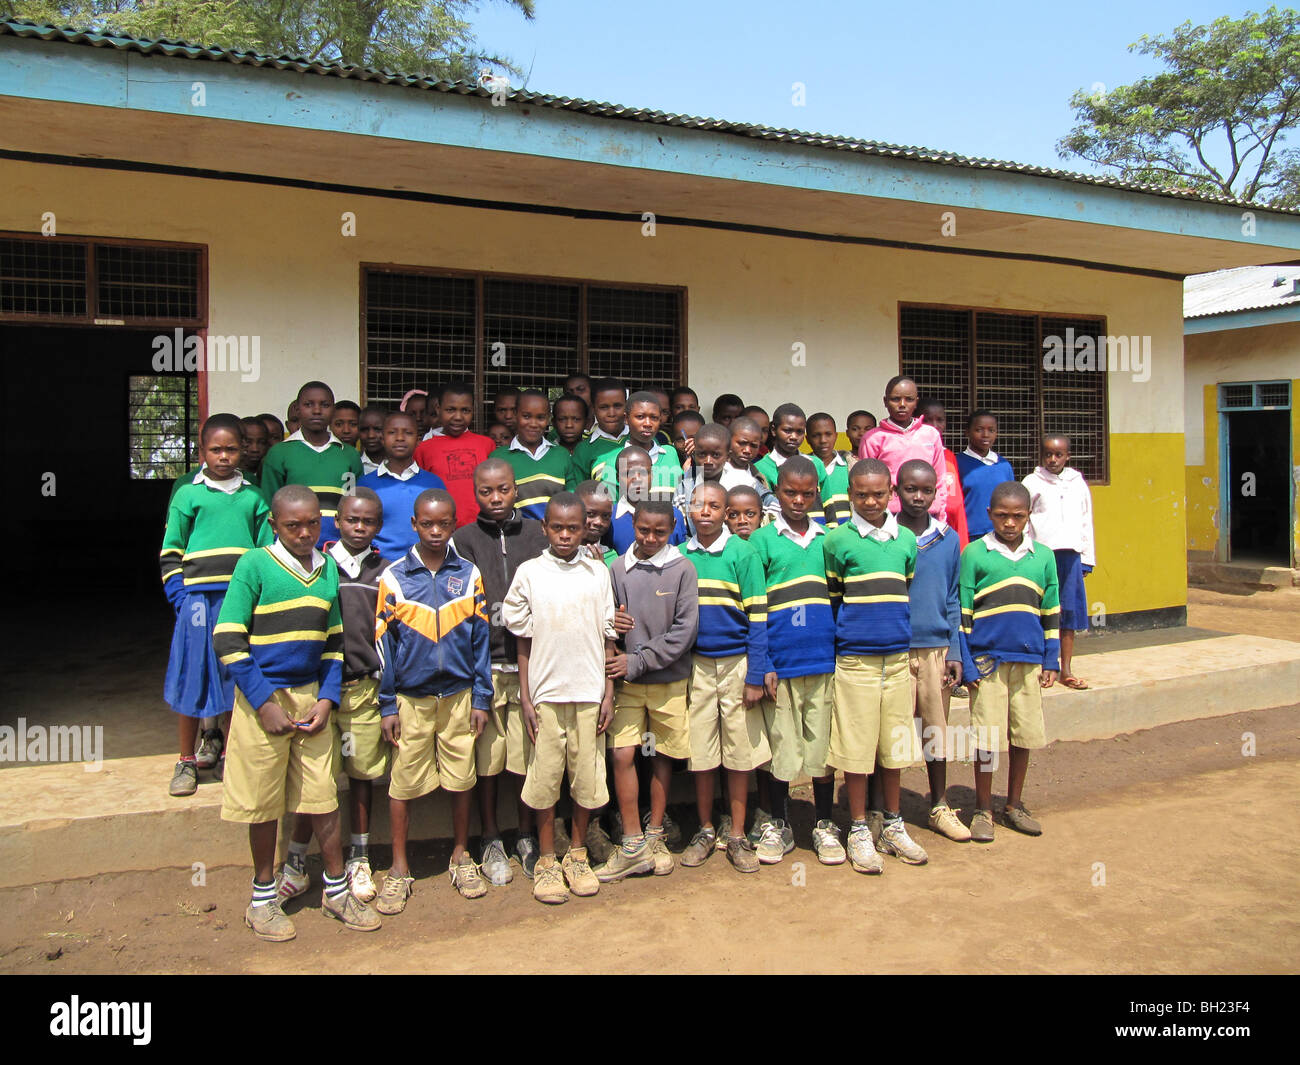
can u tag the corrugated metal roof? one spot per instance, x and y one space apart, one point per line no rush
170 48
1246 288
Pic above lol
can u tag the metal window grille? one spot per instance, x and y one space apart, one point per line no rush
163 419
419 333
935 348
146 282
42 278
530 335
1074 402
634 335
1255 396
1274 394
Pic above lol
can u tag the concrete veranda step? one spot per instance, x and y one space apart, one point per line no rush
59 820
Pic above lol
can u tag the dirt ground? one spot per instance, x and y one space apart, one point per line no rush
1164 851
1274 613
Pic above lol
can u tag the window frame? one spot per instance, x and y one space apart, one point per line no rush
190 438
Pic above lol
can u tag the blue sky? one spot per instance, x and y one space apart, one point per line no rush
978 79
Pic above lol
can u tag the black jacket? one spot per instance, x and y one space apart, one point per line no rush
497 550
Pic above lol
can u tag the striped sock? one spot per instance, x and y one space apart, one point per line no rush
336 887
263 893
632 844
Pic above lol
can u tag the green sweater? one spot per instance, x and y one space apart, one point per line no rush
324 472
589 457
208 530
835 493
537 479
767 468
665 472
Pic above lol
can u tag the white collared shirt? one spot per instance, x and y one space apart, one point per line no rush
992 542
991 459
935 528
887 531
539 454
658 560
597 433
297 435
733 477
576 560
783 529
838 460
410 471
369 466
714 548
293 565
624 507
347 561
230 485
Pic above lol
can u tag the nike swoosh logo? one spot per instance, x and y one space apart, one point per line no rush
658 592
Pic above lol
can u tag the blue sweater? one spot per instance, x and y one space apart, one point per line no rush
398 497
977 484
622 535
933 598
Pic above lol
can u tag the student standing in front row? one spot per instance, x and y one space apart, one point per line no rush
1010 617
435 690
561 609
280 634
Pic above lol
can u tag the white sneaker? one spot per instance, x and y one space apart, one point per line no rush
944 821
291 883
895 840
359 875
826 843
775 841
862 854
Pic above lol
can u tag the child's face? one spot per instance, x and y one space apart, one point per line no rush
710 456
455 412
506 408
434 522
570 421
684 401
532 421
915 493
822 437
371 432
764 425
222 451
665 407
496 493
256 443
643 420
796 494
789 434
652 532
297 526
418 408
345 426
611 411
634 477
564 528
743 515
729 413
600 512
359 521
938 417
708 510
400 437
682 434
315 410
901 402
857 428
982 434
580 387
1056 454
745 446
274 430
869 495
433 413
499 433
1009 516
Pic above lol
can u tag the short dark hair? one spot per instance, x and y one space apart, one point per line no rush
434 495
563 501
570 397
895 381
821 416
982 412
217 422
360 491
788 410
594 490
931 403
505 390
797 466
607 384
860 414
1057 436
744 421
347 404
727 399
254 420
314 384
713 431
492 465
917 466
1009 490
660 508
374 408
290 494
683 390
687 416
399 414
710 485
644 396
869 468
534 392
578 377
743 490
456 388
271 418
754 408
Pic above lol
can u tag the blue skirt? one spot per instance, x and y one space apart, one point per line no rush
197 685
1074 600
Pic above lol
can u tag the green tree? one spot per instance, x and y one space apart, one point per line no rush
433 37
1215 120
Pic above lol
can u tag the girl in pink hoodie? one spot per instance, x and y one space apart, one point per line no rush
903 436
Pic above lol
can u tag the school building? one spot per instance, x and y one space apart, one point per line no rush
1242 372
382 231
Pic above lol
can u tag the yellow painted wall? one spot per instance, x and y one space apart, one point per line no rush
1203 479
279 268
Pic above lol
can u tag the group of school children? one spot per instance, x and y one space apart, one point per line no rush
607 588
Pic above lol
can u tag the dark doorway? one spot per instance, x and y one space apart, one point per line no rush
1259 484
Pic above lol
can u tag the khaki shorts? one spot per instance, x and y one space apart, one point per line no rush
798 723
931 699
436 745
504 743
872 716
566 739
1010 692
268 776
359 744
657 710
723 731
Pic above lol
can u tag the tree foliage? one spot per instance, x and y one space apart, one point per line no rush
1215 120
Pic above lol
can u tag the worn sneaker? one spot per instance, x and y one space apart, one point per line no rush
270 923
1018 817
185 779
862 852
895 840
562 841
663 859
393 894
755 833
578 873
702 844
496 866
724 831
599 845
291 883
548 881
464 877
672 830
741 854
826 843
355 914
981 826
526 850
876 821
622 864
210 747
946 822
362 879
776 841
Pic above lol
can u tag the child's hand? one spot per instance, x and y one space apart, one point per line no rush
273 718
616 667
1048 677
478 720
317 719
951 674
769 684
596 551
690 446
530 717
623 621
392 728
606 715
753 695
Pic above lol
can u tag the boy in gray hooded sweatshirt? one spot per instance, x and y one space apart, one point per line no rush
657 599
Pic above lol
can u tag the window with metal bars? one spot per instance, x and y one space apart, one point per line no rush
1261 395
162 420
422 329
970 358
71 281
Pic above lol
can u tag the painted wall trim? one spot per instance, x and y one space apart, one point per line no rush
1221 323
